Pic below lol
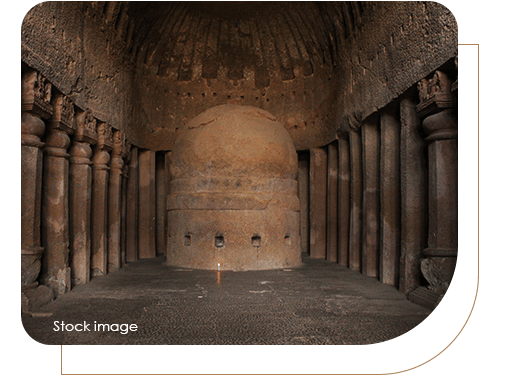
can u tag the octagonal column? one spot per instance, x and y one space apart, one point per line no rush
132 207
370 231
56 272
119 151
332 202
80 184
318 203
356 200
438 111
147 204
35 108
413 196
343 199
99 211
124 205
390 196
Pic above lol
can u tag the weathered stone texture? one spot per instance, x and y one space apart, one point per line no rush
332 202
318 203
413 166
343 200
438 109
55 270
233 201
217 99
411 46
132 207
303 182
147 204
274 56
356 200
390 196
99 213
35 106
80 193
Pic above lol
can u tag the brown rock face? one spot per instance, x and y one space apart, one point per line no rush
233 202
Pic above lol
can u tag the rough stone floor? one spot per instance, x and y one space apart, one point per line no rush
318 303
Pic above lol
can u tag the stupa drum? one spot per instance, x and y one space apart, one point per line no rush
233 201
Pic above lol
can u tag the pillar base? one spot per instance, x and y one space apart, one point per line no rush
439 272
35 298
30 265
59 281
428 299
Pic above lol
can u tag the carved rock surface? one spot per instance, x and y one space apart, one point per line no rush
233 202
439 272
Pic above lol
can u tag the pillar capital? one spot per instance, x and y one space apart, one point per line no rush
119 144
438 107
57 143
435 95
63 117
105 136
35 108
127 154
32 129
62 124
85 135
126 170
85 127
350 123
36 93
441 126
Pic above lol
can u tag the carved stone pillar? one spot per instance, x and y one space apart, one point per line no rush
332 202
162 180
390 196
370 245
56 272
99 211
132 207
114 200
35 108
147 204
413 196
356 200
438 111
343 199
80 182
124 194
318 203
303 180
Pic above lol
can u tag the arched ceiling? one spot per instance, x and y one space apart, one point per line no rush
181 38
295 60
190 56
150 67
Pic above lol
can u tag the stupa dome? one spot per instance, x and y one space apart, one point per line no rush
234 141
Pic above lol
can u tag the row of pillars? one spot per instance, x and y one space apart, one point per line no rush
89 198
382 198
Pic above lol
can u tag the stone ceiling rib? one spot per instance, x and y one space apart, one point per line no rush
185 39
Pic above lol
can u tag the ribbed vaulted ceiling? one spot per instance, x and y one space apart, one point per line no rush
148 68
181 38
